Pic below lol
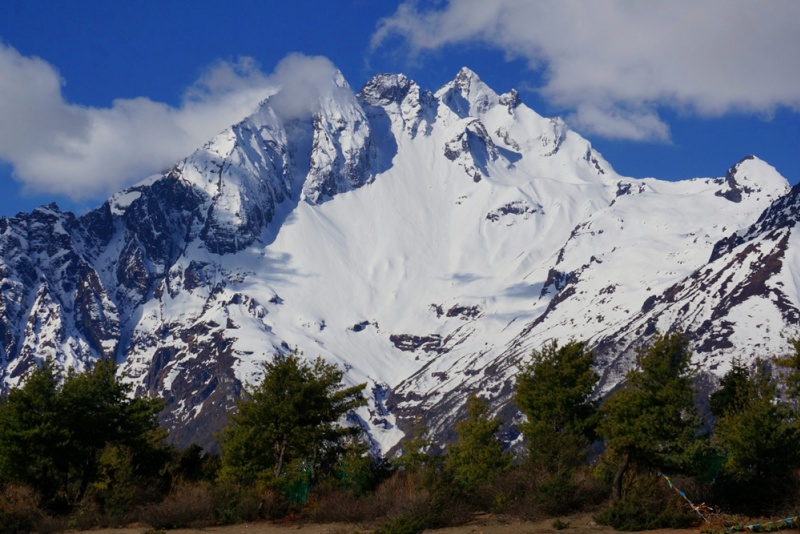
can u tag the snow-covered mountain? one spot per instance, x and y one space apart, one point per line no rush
425 242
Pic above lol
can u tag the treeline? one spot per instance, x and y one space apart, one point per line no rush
76 451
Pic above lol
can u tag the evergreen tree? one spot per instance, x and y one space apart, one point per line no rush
735 391
54 432
415 450
753 428
554 392
652 421
358 470
292 416
32 437
791 367
478 455
101 415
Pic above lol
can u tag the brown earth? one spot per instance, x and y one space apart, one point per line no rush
481 524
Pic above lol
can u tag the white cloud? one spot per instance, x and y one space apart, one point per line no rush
84 152
304 81
613 63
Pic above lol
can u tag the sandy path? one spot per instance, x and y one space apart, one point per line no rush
485 524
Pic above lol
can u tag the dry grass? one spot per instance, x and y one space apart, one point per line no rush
19 509
191 505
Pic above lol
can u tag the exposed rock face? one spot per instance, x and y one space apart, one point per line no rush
425 242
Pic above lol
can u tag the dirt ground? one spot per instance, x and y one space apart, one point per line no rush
483 524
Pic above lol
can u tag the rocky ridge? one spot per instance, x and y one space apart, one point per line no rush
424 241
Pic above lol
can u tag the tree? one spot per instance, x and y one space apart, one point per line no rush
359 470
101 415
753 429
652 421
32 437
54 430
791 367
415 449
292 416
736 389
478 455
554 392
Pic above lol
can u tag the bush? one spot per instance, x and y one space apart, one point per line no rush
85 515
574 492
533 493
403 524
435 501
340 507
19 509
647 504
558 524
51 525
333 504
238 504
187 506
404 495
405 502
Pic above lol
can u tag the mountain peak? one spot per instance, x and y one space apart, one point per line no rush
466 76
466 95
424 243
385 89
752 175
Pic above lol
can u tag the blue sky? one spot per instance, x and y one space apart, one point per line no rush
95 95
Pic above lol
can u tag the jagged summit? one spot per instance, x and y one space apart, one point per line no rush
466 95
424 242
386 89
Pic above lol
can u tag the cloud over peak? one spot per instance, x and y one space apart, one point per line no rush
613 63
83 152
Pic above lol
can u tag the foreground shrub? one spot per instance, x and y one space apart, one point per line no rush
333 504
531 493
85 515
404 503
403 524
579 493
647 504
51 525
19 509
340 507
233 503
187 506
401 494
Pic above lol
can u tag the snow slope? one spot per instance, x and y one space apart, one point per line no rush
425 242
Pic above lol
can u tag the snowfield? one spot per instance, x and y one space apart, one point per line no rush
424 242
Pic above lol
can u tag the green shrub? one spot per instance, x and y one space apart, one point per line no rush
531 493
647 504
477 457
558 524
85 515
403 524
233 503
